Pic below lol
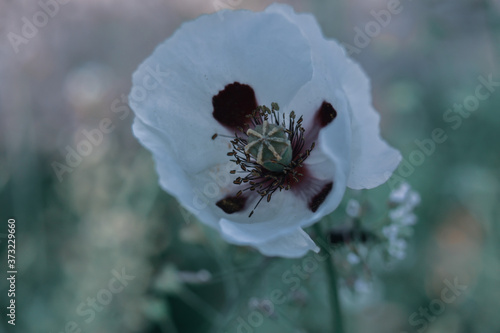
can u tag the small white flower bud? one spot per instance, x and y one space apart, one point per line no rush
353 208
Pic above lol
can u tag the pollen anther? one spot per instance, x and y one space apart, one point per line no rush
271 150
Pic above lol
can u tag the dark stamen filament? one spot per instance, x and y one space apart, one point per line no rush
258 178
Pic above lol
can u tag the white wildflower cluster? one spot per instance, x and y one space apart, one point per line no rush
353 208
403 201
371 240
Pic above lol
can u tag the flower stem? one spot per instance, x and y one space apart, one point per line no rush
338 326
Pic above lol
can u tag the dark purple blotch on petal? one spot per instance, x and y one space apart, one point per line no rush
233 104
325 114
232 204
320 197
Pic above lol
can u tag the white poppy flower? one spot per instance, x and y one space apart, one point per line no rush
221 67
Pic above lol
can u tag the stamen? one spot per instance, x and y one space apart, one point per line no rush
260 152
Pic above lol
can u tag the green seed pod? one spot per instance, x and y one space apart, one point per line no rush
269 145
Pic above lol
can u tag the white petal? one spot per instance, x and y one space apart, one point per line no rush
283 214
198 193
413 199
334 141
372 159
173 178
327 55
352 258
204 56
294 244
330 159
409 219
329 162
289 210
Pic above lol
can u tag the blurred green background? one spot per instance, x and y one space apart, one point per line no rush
107 216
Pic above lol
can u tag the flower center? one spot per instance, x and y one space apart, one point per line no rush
269 145
270 152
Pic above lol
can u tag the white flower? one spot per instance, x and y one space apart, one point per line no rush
220 68
363 286
391 231
397 248
406 200
404 195
402 218
408 219
353 208
400 194
353 258
403 215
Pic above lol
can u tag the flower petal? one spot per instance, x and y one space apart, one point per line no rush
329 162
198 193
289 210
372 159
173 178
284 213
293 244
200 60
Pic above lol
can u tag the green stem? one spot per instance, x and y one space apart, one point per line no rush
338 326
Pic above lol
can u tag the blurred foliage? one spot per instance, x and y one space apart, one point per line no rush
109 214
